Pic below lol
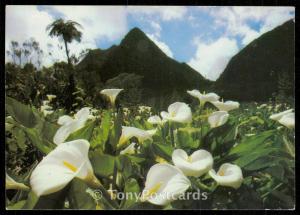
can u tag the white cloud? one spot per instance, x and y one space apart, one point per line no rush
98 22
166 13
156 27
163 46
236 19
211 58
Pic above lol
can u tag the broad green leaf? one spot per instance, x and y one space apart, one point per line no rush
83 133
249 144
20 137
101 133
131 192
36 140
52 201
22 113
187 138
116 131
16 206
78 197
253 156
103 164
164 151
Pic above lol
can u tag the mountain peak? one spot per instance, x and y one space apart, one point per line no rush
134 35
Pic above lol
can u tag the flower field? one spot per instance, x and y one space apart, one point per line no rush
214 155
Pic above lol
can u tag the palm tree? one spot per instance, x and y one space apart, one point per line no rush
67 31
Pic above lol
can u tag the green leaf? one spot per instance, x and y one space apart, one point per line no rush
37 141
136 158
78 197
131 192
16 206
103 164
52 201
188 138
101 133
31 201
117 130
164 151
83 133
249 144
20 138
21 113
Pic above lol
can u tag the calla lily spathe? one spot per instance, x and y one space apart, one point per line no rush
51 97
156 120
278 116
164 183
67 161
141 135
226 106
178 112
229 175
288 120
197 164
129 149
203 98
11 184
111 94
70 125
218 118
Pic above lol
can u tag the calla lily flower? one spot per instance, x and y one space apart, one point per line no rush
129 149
45 102
70 125
141 135
226 106
197 164
156 120
218 118
51 97
67 161
203 98
11 184
229 175
178 112
144 109
164 183
159 159
288 120
111 94
278 116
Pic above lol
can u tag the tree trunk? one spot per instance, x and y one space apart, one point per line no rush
67 52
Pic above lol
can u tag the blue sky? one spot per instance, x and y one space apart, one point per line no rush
204 37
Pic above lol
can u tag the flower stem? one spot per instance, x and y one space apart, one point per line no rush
172 134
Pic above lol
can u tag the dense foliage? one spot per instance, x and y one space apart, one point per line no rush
261 147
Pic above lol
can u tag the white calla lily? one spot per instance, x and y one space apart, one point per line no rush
70 125
203 98
229 175
11 184
129 149
51 97
178 112
156 120
197 164
141 135
226 106
288 120
164 183
278 116
67 161
218 118
111 94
